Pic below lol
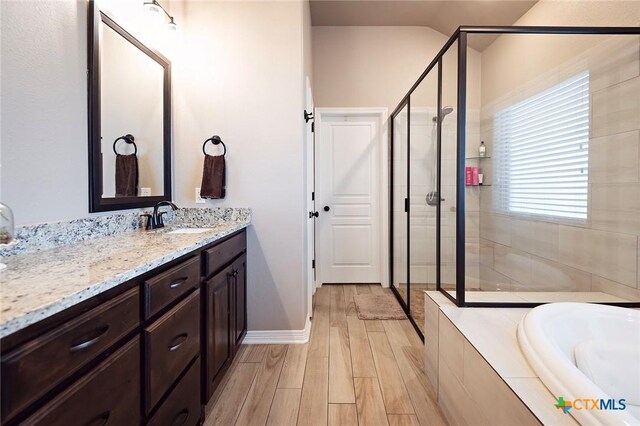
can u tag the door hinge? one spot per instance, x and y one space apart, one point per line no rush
406 205
307 116
313 264
313 196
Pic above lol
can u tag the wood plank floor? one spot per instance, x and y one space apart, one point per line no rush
352 372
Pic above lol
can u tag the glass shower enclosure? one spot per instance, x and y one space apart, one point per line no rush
541 212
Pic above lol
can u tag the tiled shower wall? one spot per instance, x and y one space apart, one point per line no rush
422 216
422 259
531 254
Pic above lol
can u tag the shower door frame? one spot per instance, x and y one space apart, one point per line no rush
460 36
406 102
405 304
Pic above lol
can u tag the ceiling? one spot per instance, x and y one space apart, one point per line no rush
443 16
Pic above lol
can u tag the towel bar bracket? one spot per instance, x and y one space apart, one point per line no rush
216 140
128 138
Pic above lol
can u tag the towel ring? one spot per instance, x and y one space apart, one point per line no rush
128 139
216 141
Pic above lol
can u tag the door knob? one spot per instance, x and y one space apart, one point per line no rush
326 208
313 214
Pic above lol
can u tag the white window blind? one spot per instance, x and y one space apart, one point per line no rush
541 152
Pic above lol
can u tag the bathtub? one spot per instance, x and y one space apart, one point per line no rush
582 352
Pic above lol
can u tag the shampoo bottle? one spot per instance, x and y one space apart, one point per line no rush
482 150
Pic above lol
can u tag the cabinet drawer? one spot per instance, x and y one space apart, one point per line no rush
170 344
219 255
32 369
182 406
108 395
162 289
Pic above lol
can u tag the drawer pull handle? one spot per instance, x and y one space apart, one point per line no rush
89 339
178 341
100 419
178 282
180 418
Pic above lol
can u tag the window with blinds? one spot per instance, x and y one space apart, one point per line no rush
541 152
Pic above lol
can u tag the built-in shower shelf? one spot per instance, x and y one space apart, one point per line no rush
476 186
477 158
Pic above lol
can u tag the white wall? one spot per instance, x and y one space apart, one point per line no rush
240 76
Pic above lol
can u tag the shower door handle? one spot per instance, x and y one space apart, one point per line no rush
326 208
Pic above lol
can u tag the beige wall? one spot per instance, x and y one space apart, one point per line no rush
370 66
237 72
43 136
376 66
241 76
603 254
514 60
307 46
44 175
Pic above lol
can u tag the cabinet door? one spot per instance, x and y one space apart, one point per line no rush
218 345
240 298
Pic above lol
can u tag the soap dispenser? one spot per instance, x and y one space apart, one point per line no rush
482 150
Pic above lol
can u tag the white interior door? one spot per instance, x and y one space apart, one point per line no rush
309 154
348 198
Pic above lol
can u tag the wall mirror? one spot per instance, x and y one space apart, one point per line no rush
129 118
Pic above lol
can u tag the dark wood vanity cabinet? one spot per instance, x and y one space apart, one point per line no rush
182 406
171 343
34 368
225 310
162 289
239 297
109 394
151 351
218 330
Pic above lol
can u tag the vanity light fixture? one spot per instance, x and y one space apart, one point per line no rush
153 6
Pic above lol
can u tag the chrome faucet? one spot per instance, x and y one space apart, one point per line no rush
154 221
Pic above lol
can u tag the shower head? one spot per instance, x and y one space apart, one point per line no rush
444 112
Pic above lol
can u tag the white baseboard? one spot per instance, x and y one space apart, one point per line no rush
265 337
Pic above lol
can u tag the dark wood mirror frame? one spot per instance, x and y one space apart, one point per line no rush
96 202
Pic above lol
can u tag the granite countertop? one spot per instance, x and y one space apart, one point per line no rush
37 285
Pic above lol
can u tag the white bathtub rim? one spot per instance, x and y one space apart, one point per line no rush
551 381
569 373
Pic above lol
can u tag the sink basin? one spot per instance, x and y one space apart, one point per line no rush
189 230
